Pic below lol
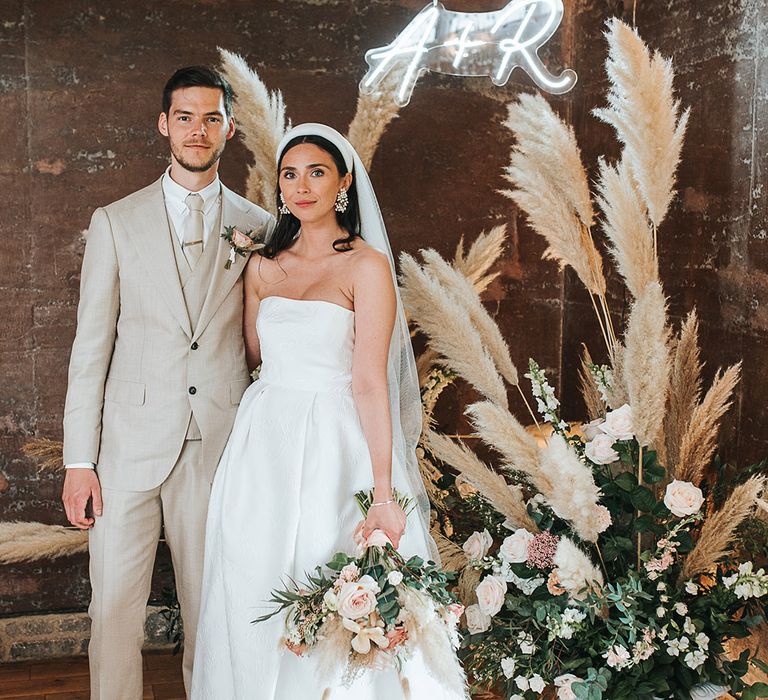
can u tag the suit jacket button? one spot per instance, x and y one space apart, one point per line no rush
192 390
195 346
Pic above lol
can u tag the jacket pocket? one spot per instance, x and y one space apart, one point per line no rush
122 391
237 389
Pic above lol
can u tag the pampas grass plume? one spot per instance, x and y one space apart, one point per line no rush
261 121
646 363
575 570
626 226
575 496
47 453
469 303
718 532
551 186
646 116
451 334
684 388
491 486
21 541
593 401
481 256
373 114
700 439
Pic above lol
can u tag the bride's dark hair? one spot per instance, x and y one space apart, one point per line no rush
288 225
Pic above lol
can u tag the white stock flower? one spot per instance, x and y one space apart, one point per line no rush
618 423
330 600
681 609
683 498
508 665
702 641
661 611
477 545
691 588
491 592
695 659
688 626
514 549
676 646
600 450
617 656
522 683
395 578
477 620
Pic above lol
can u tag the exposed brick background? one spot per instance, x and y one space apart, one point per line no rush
80 86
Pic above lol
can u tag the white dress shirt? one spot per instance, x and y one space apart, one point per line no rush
175 203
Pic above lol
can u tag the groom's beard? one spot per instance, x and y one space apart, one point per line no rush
198 166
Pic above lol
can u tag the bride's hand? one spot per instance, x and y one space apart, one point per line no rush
390 519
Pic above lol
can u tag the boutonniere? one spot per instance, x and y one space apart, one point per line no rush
241 243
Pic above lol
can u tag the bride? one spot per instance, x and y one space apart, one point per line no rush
335 410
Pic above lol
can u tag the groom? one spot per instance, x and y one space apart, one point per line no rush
155 377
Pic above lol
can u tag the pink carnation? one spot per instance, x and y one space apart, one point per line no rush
541 550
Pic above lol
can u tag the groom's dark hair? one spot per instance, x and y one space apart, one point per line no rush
197 76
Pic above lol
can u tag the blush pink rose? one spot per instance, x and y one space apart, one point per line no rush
491 592
240 240
357 599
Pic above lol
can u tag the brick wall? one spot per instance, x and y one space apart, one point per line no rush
80 87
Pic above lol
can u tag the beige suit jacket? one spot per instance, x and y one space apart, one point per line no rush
138 369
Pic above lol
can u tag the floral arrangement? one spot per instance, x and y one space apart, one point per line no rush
606 558
547 614
373 611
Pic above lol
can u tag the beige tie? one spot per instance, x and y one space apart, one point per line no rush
193 231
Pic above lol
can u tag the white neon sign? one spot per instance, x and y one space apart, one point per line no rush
489 44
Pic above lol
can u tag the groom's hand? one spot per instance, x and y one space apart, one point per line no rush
79 486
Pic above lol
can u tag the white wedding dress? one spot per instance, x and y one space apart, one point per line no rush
282 503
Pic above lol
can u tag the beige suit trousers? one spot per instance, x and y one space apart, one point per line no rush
122 545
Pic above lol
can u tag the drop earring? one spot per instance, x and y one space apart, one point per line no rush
342 201
283 207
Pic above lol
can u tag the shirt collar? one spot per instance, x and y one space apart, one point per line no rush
176 195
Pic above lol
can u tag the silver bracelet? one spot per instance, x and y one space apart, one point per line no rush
383 503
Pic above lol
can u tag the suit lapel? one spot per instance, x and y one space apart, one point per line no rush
149 230
223 280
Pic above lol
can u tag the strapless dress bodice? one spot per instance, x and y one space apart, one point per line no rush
306 344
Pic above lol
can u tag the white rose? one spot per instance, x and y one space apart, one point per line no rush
536 683
691 588
395 578
618 423
681 608
591 429
330 600
490 594
358 598
508 667
514 549
477 620
683 498
600 450
477 545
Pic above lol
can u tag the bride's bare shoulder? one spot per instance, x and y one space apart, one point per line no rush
262 271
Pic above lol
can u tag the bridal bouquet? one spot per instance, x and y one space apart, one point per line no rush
372 611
